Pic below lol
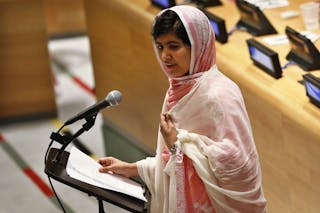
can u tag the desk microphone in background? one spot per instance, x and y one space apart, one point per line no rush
112 99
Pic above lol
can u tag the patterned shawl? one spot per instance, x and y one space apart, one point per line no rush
216 168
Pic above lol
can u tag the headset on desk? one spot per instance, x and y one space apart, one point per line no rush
170 3
303 52
312 85
264 58
253 20
218 25
162 4
206 3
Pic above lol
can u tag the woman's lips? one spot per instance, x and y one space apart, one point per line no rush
170 65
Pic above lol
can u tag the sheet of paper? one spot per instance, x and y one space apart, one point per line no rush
269 4
82 167
282 39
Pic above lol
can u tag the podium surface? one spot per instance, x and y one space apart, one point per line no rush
58 172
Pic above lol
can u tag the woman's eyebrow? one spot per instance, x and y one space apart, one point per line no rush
167 43
172 42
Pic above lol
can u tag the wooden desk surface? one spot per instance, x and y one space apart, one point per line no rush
289 95
26 87
64 17
286 125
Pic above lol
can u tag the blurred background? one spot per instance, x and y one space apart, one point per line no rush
46 77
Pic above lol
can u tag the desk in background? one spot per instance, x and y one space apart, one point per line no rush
123 59
64 18
26 87
286 125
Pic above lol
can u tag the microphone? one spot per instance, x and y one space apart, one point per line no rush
112 99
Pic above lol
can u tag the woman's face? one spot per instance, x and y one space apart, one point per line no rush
174 54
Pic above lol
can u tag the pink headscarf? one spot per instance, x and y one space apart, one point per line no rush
203 55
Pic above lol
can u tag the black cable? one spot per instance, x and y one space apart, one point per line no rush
56 195
85 127
236 28
45 160
287 64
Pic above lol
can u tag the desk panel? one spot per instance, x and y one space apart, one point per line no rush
64 17
123 59
285 124
26 87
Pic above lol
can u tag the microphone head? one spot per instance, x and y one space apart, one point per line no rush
114 98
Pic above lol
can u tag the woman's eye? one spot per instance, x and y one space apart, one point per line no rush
159 46
174 47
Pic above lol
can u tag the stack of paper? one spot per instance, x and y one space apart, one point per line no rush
82 167
269 4
283 39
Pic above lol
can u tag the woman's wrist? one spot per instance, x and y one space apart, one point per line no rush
133 169
173 149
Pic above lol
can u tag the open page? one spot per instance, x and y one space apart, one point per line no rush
82 167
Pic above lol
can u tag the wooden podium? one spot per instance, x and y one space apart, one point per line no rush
58 172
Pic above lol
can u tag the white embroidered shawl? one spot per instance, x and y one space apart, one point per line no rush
215 133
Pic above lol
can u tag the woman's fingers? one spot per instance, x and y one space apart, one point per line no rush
105 161
166 121
114 165
106 164
105 169
168 129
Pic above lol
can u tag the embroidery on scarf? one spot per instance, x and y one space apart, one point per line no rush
207 208
179 175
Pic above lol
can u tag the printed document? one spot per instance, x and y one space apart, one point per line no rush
269 4
283 39
82 167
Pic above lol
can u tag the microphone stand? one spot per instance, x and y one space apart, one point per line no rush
55 166
66 140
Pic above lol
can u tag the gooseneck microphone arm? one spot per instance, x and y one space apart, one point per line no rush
85 127
112 99
89 114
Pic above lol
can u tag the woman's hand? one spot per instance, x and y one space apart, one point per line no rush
111 164
168 129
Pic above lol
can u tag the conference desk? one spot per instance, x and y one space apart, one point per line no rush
26 87
285 124
64 18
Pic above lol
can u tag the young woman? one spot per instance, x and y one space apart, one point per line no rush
206 159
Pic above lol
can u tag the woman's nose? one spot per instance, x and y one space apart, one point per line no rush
165 55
